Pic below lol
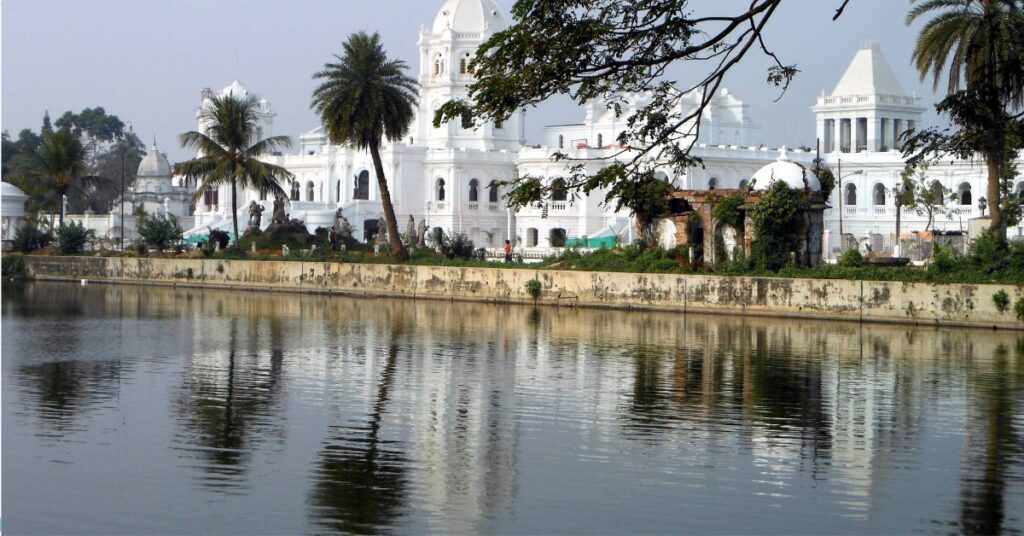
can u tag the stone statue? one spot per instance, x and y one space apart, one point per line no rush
344 231
338 216
382 231
729 241
255 214
410 232
279 217
422 238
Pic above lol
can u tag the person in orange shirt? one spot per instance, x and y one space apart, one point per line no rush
508 251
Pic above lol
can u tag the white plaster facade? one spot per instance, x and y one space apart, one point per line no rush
444 175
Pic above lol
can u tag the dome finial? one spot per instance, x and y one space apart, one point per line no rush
783 154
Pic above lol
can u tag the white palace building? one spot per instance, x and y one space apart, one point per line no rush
448 175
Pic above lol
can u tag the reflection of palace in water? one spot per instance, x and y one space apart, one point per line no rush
427 404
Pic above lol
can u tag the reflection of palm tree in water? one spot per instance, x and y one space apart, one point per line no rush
992 444
222 417
361 479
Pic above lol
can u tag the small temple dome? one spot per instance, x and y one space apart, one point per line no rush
9 190
470 16
787 171
155 164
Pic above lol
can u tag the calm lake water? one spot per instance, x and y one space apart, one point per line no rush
133 409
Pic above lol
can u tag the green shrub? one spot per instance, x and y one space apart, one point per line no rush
12 265
777 222
1018 307
72 238
218 237
729 211
943 259
160 232
29 237
533 288
456 246
1002 300
851 259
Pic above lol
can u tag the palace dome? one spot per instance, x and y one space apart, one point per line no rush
470 16
9 190
783 169
236 89
154 165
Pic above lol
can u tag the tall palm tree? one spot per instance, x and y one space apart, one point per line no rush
363 98
979 44
61 161
229 152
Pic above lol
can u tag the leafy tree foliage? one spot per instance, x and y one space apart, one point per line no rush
602 51
777 219
927 197
60 161
979 45
363 98
160 232
730 212
72 238
30 237
103 148
230 152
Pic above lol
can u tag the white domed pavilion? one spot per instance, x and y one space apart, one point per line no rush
783 169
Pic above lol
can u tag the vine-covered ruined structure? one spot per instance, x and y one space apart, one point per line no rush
695 223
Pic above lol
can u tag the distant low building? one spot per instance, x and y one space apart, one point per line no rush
12 212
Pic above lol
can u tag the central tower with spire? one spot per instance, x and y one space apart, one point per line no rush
868 110
446 50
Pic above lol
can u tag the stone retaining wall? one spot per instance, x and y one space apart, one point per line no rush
876 301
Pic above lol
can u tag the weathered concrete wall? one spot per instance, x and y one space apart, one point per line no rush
877 301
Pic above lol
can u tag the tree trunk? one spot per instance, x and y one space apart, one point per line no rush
398 251
234 209
994 196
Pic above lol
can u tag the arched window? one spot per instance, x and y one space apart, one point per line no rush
362 186
531 237
743 184
713 183
851 195
558 192
467 120
600 140
474 191
499 124
464 64
561 141
211 198
492 192
1020 189
338 188
263 194
937 194
295 191
439 186
964 193
557 238
878 195
309 191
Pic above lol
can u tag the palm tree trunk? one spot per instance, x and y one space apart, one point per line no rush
398 251
994 201
234 209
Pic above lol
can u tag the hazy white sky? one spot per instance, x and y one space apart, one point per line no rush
146 60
